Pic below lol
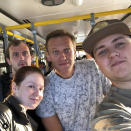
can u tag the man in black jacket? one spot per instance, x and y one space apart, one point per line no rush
17 55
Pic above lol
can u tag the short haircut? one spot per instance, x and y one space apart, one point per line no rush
58 33
15 43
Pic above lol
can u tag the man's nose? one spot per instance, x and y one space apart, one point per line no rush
63 55
113 53
21 56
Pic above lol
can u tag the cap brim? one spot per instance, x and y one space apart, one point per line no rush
90 41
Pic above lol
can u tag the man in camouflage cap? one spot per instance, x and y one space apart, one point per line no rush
109 43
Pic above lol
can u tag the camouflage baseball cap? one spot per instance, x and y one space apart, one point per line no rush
103 29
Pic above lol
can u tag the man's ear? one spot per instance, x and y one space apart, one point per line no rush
31 58
8 61
75 51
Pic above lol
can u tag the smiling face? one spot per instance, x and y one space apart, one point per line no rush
19 56
113 55
30 90
61 52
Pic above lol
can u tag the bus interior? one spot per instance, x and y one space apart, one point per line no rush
32 20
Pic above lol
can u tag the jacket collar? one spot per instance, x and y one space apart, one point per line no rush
17 109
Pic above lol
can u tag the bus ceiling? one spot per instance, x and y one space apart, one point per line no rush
76 16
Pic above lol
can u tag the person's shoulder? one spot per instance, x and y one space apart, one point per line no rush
112 115
52 76
114 119
5 117
87 64
82 61
4 108
5 77
5 111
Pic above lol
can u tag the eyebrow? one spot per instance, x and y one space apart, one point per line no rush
102 46
54 48
118 38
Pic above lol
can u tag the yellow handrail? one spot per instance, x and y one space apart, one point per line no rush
20 37
74 18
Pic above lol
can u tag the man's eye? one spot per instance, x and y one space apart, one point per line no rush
66 51
15 54
55 52
25 53
119 45
102 52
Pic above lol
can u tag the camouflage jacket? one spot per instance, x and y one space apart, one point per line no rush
114 113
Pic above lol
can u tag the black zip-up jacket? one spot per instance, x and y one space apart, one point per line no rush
13 117
5 80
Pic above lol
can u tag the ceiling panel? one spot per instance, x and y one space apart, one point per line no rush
33 11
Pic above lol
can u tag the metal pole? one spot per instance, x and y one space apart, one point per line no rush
35 44
35 40
92 21
5 45
5 36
